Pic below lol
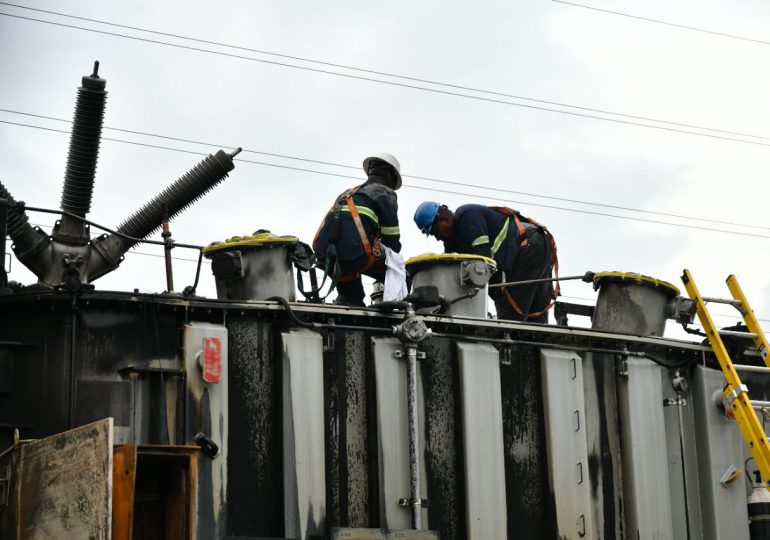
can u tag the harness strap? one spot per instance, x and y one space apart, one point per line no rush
524 241
372 254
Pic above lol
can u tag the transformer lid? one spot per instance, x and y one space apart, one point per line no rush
415 263
638 279
258 240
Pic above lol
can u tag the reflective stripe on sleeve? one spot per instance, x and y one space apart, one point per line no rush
484 239
500 237
390 231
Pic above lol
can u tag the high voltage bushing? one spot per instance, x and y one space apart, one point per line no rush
17 221
84 145
179 195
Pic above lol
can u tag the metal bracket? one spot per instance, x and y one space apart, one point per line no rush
623 368
737 391
329 342
400 355
405 501
667 402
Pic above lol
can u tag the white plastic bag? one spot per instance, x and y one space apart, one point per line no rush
395 276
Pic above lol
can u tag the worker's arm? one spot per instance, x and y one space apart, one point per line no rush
471 231
387 211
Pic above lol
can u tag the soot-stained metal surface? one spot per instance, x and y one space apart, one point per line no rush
531 512
347 438
254 487
443 452
603 434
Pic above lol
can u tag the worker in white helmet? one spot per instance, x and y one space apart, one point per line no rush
348 242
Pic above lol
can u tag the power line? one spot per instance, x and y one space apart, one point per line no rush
666 23
437 180
444 191
415 87
382 73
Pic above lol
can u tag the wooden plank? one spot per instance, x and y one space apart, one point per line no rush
123 486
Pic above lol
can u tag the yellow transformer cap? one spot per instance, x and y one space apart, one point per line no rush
262 239
639 279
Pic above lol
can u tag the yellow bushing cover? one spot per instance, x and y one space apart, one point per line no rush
639 279
425 258
266 239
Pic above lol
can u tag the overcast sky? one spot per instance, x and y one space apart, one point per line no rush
537 49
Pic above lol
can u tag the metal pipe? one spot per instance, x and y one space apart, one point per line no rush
167 246
3 232
728 301
753 369
414 436
587 277
733 333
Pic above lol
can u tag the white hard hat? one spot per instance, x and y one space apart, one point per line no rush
391 160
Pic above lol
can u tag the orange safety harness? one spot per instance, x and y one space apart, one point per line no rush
523 241
372 251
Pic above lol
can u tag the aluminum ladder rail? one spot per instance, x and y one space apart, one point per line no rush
736 393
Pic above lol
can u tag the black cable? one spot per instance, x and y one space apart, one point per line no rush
666 23
393 83
383 73
444 191
437 180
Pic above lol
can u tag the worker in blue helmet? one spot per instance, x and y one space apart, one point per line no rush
522 248
361 220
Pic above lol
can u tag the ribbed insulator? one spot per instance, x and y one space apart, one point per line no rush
178 196
84 146
17 221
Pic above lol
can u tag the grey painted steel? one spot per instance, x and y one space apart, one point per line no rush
482 420
390 375
303 434
208 414
414 436
631 308
267 271
447 276
565 421
720 446
646 478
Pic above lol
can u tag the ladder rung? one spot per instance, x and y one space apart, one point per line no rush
758 404
733 333
752 369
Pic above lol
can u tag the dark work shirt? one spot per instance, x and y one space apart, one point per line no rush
477 230
377 206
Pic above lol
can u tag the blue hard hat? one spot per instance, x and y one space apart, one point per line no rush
425 215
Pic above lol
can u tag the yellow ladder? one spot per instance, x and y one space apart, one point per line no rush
735 392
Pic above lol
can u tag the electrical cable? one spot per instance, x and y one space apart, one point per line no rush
666 23
437 180
402 85
411 186
382 73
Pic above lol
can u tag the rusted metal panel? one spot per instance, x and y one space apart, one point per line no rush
65 484
123 478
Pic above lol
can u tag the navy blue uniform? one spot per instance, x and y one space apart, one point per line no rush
482 231
377 206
